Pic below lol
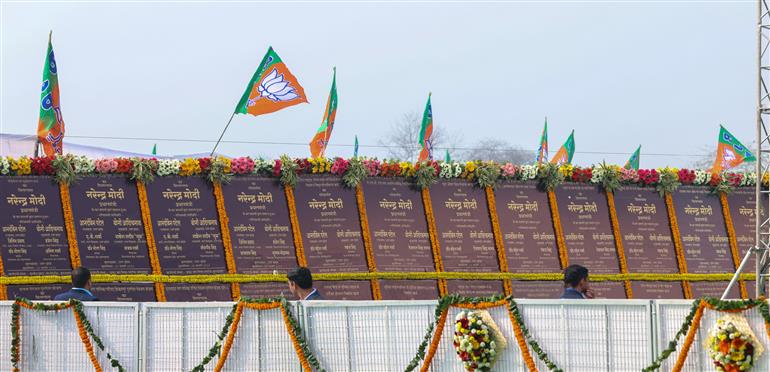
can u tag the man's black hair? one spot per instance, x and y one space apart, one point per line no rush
80 277
302 277
573 274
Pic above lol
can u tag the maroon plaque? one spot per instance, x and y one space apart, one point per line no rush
465 234
343 290
527 228
714 289
186 226
260 229
331 229
189 292
612 290
742 207
124 292
537 289
108 224
702 228
408 289
35 292
400 240
751 288
33 240
585 220
476 288
650 290
265 289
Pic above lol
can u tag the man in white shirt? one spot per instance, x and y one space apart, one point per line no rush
301 285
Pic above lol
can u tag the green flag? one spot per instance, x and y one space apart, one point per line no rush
155 149
447 159
633 161
355 148
567 150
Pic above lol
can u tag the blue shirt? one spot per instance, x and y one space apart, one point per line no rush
81 294
572 294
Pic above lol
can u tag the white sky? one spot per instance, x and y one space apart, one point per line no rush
663 75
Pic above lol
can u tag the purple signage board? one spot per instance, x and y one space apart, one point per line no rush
33 239
525 222
588 235
108 225
264 289
186 226
400 239
611 290
702 228
650 290
465 235
197 292
124 292
537 289
742 210
343 290
36 292
260 229
751 288
714 289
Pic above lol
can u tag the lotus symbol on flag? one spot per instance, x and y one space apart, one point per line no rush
274 87
727 158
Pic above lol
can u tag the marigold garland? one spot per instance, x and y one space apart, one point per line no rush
69 224
230 337
674 224
618 241
435 340
522 342
499 244
300 249
732 239
558 231
144 207
86 341
370 263
434 243
224 227
690 338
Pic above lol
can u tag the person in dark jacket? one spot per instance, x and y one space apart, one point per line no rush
576 283
81 287
301 285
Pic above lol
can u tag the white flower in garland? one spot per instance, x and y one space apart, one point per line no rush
168 167
597 173
749 179
528 172
446 170
84 165
262 165
458 169
701 177
5 166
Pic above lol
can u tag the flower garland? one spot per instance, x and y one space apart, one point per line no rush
69 225
499 244
674 224
370 263
557 228
308 361
300 249
732 239
85 330
224 227
435 330
618 241
434 243
144 207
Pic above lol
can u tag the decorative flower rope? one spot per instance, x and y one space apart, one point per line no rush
677 243
499 244
144 206
370 263
300 249
224 227
557 228
434 243
732 239
69 224
618 241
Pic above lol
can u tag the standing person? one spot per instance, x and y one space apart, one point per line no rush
81 287
301 285
576 283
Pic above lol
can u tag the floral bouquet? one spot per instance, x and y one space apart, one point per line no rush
477 340
731 344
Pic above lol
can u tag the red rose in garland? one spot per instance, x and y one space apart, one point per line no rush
716 179
686 176
124 165
734 179
648 176
277 168
42 165
204 163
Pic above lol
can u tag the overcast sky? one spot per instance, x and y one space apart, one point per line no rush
663 75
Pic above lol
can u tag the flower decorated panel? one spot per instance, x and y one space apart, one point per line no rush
537 289
702 228
124 292
44 292
176 292
650 290
344 289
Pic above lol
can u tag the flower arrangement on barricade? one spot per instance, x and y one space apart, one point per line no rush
477 340
731 344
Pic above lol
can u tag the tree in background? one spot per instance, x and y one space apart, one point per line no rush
499 151
402 140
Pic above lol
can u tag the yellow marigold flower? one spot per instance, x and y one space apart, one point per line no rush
470 167
566 170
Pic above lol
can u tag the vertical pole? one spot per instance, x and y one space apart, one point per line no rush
760 140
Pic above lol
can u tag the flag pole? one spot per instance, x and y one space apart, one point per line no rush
223 134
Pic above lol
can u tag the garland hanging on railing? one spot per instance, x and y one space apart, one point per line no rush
499 244
618 241
434 243
677 239
224 228
731 236
367 238
69 224
306 358
295 230
85 330
144 207
435 330
692 322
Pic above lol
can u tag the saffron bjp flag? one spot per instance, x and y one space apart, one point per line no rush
542 151
321 139
567 150
272 88
426 130
730 152
50 125
633 161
